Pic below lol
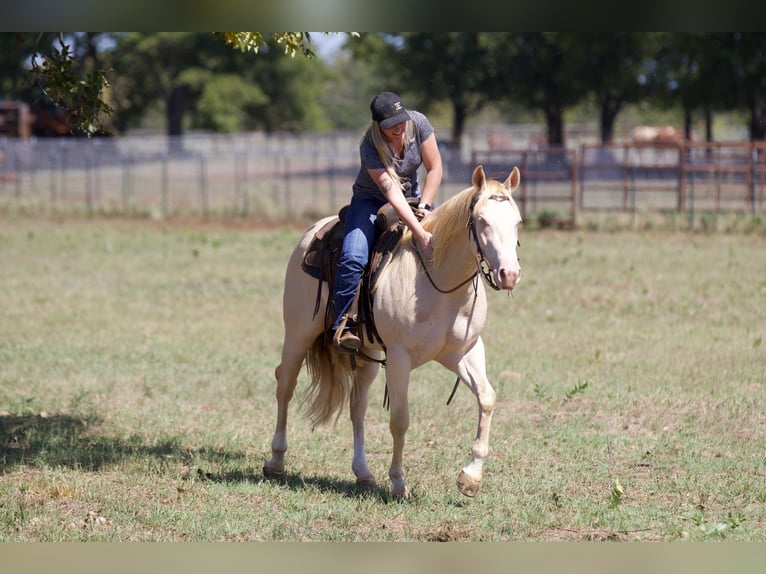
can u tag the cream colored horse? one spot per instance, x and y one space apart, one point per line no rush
431 312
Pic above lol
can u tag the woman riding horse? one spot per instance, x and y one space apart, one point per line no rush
395 145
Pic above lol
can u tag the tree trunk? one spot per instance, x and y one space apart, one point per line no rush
757 122
458 124
555 122
175 106
609 112
688 123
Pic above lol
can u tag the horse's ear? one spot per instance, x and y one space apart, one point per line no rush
478 178
513 180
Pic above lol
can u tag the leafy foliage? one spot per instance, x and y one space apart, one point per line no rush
60 75
81 97
293 42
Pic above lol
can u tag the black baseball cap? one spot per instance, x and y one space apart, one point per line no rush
388 110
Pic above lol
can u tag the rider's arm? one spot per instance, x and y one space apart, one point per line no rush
432 161
395 197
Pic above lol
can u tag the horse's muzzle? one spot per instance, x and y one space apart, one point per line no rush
508 278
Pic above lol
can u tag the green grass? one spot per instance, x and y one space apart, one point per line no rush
137 394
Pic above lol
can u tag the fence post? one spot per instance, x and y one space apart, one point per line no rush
692 161
17 170
524 181
88 180
315 178
632 161
97 174
277 177
203 184
52 174
64 168
574 187
165 183
243 180
333 183
126 181
754 175
288 188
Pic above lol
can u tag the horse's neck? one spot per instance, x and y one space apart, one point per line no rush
457 263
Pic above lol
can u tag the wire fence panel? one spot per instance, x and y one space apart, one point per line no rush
251 175
300 176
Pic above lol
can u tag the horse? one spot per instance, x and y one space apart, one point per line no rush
424 310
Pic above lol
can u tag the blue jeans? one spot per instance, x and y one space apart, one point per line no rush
359 235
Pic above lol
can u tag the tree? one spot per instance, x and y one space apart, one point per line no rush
749 61
694 69
205 84
433 66
57 71
461 79
546 71
616 65
12 74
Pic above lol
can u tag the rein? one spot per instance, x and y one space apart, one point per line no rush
433 283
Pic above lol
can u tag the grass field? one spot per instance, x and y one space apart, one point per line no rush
137 394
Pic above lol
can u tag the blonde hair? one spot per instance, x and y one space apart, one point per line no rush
384 152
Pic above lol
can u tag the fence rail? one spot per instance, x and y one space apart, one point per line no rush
629 177
299 176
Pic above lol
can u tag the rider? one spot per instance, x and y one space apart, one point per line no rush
395 145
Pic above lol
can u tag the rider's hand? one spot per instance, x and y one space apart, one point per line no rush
425 244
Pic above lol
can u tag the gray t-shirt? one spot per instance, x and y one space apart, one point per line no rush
406 168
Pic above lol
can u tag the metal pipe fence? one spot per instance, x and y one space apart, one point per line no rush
688 178
289 176
279 176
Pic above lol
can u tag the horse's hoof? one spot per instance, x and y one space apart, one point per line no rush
401 495
367 482
273 474
467 485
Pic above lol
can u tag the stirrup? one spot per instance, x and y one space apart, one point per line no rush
345 337
346 341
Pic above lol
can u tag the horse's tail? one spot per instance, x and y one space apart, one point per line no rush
331 382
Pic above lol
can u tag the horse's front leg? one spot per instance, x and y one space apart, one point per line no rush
397 381
365 375
472 371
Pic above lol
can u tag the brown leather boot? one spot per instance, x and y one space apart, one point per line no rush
346 339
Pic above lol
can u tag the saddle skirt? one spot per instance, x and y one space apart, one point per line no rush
321 261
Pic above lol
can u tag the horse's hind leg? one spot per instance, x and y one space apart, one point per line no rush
364 376
287 379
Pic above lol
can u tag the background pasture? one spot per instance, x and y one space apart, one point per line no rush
137 394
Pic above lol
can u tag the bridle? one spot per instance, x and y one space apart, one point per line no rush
483 266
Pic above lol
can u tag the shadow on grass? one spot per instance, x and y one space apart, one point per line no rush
348 488
72 441
297 482
60 440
